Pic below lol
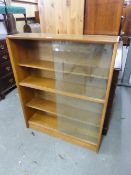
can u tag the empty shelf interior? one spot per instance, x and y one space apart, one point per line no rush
83 70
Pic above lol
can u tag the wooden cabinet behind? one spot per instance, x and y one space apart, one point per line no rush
102 17
61 16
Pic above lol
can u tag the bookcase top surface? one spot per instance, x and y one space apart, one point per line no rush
66 37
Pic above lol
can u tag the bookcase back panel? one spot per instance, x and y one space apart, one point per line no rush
39 50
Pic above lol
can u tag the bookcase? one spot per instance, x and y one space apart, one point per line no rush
64 83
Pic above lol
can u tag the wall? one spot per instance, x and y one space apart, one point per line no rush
30 8
2 26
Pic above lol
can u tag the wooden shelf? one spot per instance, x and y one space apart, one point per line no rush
82 116
49 85
43 105
38 64
49 66
49 124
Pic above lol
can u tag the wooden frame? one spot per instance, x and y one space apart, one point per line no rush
42 114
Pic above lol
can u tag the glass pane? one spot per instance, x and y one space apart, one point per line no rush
82 68
79 130
79 118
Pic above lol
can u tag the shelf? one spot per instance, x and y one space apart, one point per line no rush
43 105
66 111
49 85
49 124
38 64
49 66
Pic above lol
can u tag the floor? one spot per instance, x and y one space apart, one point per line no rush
27 152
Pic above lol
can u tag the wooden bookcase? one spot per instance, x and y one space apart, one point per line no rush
64 83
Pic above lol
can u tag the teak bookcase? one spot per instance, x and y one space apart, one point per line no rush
64 83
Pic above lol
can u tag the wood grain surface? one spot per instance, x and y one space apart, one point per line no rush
102 16
61 16
65 37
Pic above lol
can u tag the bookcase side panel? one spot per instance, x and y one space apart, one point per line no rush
16 51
